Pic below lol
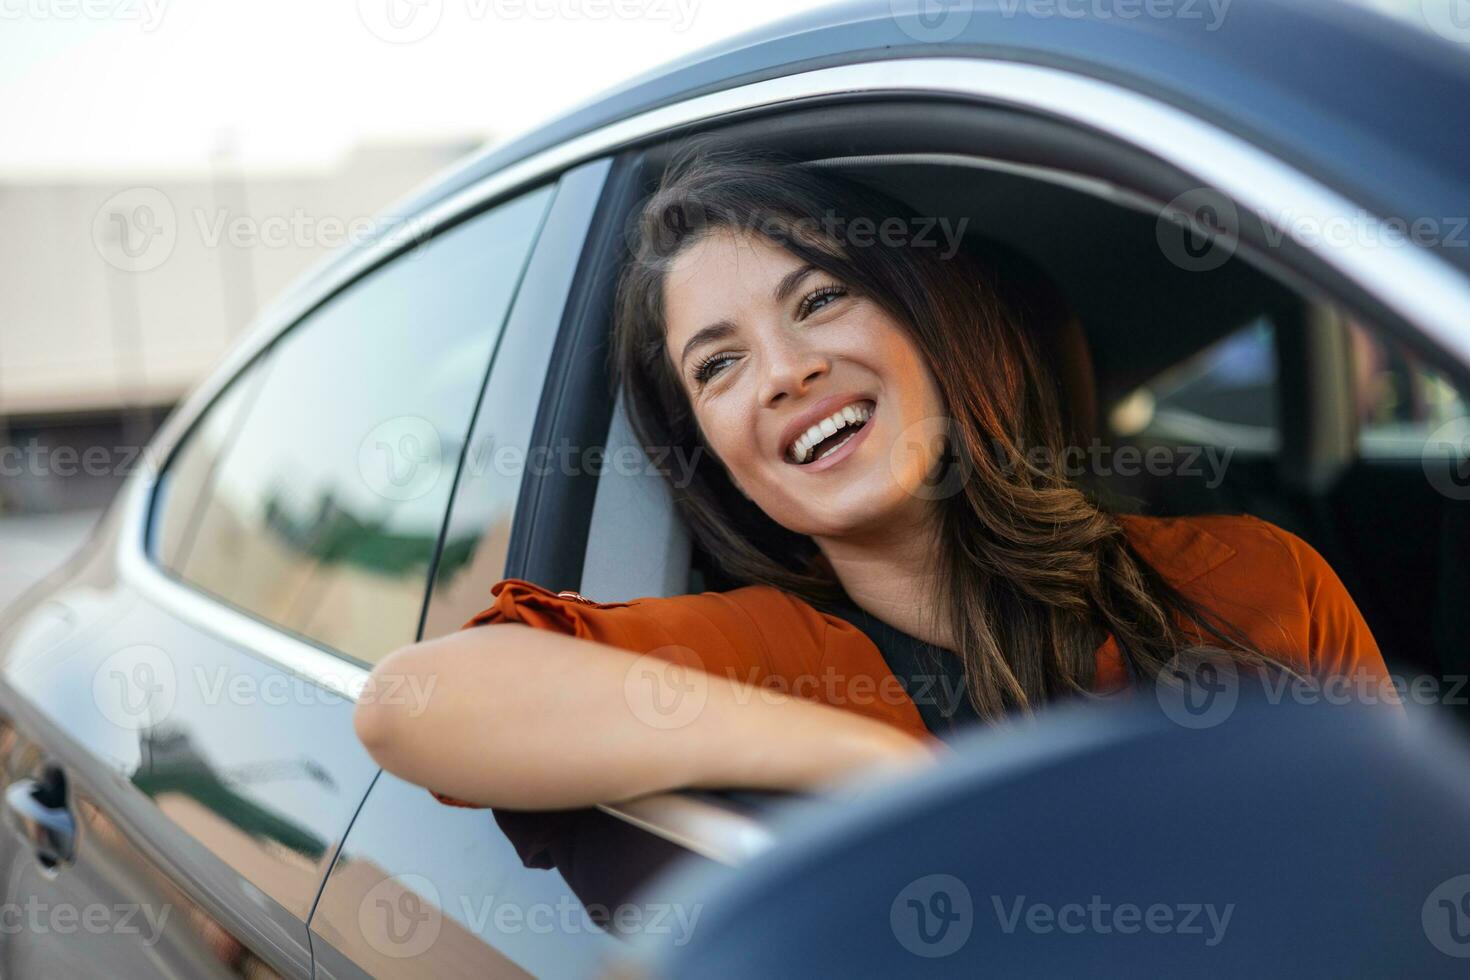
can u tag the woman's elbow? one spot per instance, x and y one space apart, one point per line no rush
383 719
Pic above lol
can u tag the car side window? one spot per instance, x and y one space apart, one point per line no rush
1404 407
313 493
1224 395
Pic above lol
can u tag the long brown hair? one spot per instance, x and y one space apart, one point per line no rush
1037 573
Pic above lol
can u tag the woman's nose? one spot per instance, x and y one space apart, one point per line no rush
791 369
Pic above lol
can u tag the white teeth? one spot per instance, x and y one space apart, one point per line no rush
801 449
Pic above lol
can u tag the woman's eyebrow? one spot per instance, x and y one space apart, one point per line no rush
723 328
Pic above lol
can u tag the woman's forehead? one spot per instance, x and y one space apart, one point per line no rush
718 276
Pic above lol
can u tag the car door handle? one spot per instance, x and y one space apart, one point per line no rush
50 830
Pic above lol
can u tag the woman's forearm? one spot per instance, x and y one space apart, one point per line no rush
510 716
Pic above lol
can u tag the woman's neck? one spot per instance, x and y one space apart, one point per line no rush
892 574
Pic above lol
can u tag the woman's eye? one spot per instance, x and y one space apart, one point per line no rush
710 366
813 300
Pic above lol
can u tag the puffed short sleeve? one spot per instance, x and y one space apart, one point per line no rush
754 634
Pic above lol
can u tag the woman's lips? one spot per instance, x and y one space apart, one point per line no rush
850 414
843 451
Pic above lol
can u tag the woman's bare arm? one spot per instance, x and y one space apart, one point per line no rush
507 715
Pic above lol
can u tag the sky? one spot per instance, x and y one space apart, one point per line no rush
102 87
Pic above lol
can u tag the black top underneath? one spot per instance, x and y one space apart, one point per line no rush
933 677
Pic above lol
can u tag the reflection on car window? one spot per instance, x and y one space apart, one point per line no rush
1404 407
321 509
460 902
1224 395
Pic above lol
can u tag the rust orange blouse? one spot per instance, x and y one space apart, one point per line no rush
1264 579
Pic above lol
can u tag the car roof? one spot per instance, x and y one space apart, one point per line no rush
1362 102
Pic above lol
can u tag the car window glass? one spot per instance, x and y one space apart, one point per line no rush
1404 407
325 507
1223 395
192 469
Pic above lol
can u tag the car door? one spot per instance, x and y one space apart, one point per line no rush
177 740
421 888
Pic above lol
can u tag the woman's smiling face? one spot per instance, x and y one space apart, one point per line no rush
767 347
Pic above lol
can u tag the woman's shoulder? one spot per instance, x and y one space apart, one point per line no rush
1187 548
1265 578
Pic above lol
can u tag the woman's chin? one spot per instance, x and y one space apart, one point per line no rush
853 514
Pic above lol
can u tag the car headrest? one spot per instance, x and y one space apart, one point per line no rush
1044 311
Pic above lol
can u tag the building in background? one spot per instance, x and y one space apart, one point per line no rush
117 297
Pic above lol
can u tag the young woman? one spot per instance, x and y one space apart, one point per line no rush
884 476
